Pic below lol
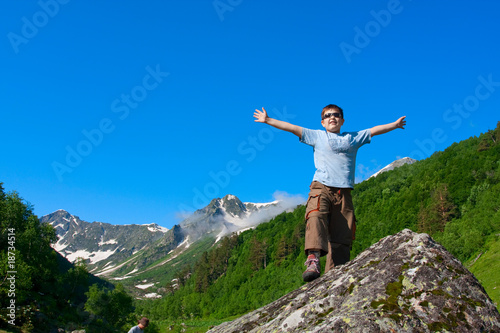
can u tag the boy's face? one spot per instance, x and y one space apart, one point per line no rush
332 121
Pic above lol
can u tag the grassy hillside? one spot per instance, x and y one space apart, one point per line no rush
487 269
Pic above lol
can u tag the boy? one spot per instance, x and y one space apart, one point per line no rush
329 215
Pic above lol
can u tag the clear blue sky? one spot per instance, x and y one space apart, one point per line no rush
135 111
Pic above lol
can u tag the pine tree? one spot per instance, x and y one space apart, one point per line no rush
298 237
440 211
283 250
258 253
490 139
202 273
182 276
444 206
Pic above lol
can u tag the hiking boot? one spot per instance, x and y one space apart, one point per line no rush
313 269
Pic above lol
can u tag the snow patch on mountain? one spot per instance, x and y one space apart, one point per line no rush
261 205
144 286
126 276
230 197
61 225
111 268
156 228
93 257
185 243
111 241
59 246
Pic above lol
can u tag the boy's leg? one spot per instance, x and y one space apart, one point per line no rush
342 229
317 219
338 254
316 238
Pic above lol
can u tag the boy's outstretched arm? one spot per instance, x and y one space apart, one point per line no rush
381 129
261 117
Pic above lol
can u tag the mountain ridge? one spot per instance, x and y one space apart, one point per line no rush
96 241
121 252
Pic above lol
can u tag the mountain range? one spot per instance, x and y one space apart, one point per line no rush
142 256
99 243
127 252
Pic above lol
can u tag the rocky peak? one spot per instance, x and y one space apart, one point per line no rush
394 165
212 209
404 283
60 214
217 209
62 221
233 206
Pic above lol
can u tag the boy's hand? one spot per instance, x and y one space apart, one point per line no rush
260 116
381 129
401 122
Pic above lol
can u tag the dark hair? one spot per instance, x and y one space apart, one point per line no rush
143 321
332 107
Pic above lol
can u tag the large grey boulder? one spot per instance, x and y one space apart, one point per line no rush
404 283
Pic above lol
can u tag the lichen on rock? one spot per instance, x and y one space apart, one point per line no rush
404 283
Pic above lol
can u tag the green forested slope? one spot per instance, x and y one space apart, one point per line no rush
39 289
454 196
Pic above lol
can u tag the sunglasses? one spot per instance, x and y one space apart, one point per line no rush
330 114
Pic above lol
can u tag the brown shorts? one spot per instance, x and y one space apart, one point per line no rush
330 218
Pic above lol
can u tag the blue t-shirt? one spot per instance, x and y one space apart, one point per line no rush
335 155
136 329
